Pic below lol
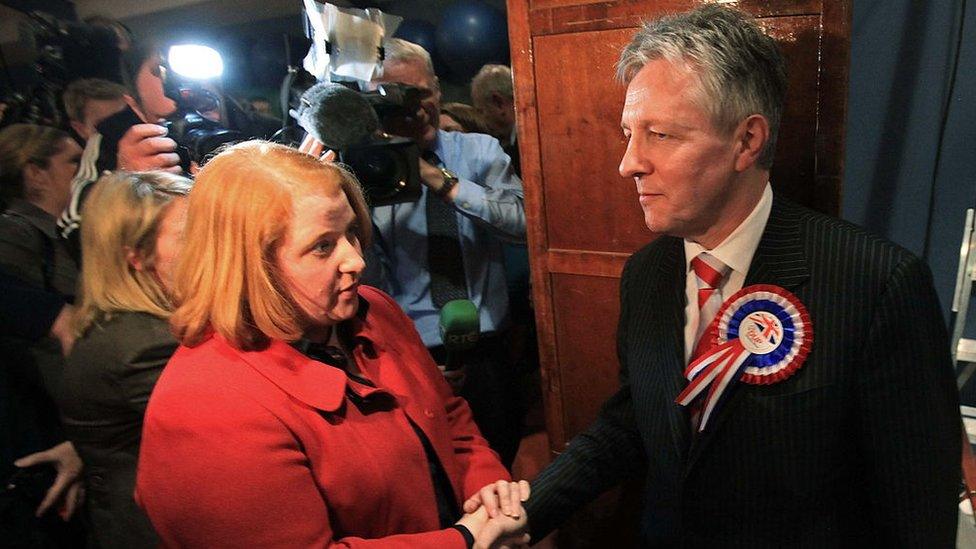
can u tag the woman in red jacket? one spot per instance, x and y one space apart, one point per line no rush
302 409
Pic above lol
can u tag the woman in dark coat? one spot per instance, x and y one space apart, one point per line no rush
37 164
133 227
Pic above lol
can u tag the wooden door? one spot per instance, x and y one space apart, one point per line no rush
584 219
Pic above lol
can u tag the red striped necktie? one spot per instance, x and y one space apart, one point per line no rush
709 273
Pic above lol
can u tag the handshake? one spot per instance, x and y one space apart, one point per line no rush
495 516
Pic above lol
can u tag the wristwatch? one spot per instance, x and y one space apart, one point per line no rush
450 180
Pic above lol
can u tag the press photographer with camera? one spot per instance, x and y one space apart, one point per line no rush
447 245
131 138
157 132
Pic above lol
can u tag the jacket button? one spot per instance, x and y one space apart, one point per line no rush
428 413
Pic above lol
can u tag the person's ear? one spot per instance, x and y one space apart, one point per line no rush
135 259
33 174
134 105
750 137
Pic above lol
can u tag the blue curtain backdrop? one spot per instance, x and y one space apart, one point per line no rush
910 165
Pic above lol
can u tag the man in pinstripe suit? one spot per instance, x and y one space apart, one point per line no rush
861 446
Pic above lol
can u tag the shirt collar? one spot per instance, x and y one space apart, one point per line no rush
737 249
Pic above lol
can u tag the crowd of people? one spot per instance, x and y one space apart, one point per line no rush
249 354
318 374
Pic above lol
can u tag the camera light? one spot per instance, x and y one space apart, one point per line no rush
196 62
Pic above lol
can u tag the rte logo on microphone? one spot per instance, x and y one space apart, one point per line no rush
461 339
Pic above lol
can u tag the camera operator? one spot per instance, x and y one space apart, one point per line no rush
447 245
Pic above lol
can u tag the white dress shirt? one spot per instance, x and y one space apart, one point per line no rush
736 251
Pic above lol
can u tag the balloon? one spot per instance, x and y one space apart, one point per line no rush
422 33
471 34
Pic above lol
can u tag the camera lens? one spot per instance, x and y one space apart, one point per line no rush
377 169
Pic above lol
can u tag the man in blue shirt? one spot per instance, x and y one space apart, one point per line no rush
469 185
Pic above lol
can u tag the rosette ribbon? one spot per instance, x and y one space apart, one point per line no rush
763 336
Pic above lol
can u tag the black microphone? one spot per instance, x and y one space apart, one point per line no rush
337 116
460 328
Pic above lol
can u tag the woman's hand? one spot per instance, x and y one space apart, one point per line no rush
314 147
501 497
503 533
67 483
495 533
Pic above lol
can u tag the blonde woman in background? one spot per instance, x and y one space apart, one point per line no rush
130 240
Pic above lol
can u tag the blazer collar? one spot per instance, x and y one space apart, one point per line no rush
780 258
312 382
669 332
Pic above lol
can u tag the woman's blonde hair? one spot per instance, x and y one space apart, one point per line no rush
239 212
122 214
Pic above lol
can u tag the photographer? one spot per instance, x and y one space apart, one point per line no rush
136 139
140 147
447 245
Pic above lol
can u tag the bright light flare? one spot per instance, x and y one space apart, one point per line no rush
196 62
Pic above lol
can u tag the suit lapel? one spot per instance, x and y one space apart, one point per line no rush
668 337
779 260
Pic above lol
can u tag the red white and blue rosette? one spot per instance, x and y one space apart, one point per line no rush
763 336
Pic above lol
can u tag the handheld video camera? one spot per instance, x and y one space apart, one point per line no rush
346 51
387 166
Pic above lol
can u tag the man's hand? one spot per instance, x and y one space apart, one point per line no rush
433 178
67 483
500 498
145 147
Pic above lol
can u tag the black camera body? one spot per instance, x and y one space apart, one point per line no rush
387 166
388 169
196 136
66 51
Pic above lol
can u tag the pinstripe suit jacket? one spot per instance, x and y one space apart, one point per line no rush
860 447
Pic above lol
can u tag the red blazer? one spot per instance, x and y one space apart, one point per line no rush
265 449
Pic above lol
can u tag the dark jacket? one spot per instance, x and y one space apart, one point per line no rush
859 448
109 376
30 368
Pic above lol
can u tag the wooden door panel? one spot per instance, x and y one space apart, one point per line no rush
796 151
562 16
581 144
586 310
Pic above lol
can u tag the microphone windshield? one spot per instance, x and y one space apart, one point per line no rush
337 116
460 325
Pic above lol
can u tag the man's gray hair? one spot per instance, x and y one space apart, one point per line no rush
398 50
491 79
740 69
